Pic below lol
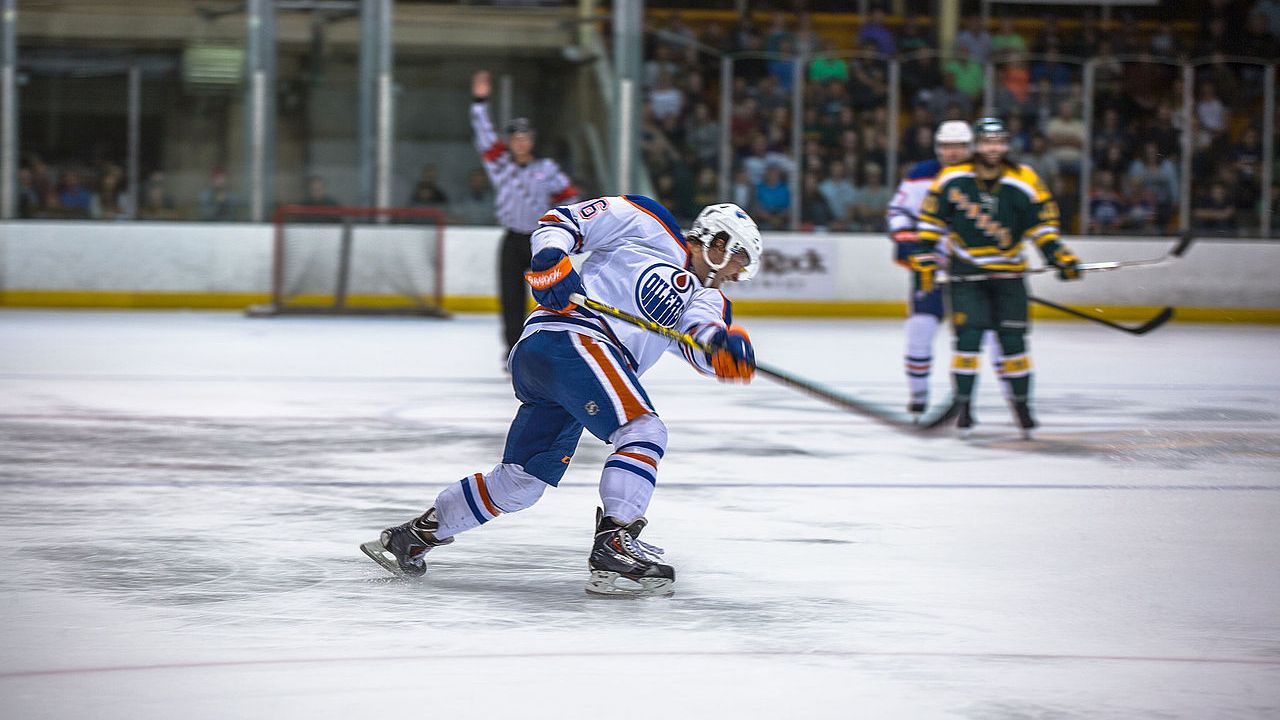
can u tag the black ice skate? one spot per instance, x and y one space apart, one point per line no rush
965 419
623 566
1022 413
917 407
401 549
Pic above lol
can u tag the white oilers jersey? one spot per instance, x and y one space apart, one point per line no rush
903 215
637 264
904 209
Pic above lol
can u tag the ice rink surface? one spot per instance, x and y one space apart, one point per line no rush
182 494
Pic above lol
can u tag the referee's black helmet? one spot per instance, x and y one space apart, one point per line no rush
520 125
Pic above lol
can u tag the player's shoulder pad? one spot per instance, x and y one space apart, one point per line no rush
1026 172
655 210
952 172
1027 178
561 214
924 170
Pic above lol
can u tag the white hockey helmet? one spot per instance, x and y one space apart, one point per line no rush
739 232
953 131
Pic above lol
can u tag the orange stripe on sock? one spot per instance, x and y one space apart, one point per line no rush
484 496
632 406
640 458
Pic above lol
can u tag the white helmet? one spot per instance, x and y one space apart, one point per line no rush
953 131
739 232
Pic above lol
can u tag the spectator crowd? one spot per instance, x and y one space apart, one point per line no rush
1135 149
1029 70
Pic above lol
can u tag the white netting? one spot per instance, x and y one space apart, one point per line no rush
343 260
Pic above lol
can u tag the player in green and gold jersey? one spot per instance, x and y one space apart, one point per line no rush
985 209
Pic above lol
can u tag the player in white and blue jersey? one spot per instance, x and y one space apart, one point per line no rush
953 143
574 369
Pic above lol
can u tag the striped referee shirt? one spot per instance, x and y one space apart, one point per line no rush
523 192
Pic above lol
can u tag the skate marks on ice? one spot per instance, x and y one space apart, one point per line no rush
1137 423
546 591
1196 407
141 575
1154 445
1159 447
1134 423
54 448
1160 427
216 579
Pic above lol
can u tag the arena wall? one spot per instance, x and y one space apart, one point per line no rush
228 266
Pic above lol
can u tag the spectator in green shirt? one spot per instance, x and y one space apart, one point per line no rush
966 72
1007 41
824 67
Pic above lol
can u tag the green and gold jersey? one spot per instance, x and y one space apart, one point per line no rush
985 222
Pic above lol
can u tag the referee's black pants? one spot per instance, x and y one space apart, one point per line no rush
513 292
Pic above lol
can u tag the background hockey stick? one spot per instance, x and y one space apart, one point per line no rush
1176 252
951 411
948 413
898 421
1160 318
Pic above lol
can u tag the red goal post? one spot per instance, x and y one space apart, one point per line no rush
330 260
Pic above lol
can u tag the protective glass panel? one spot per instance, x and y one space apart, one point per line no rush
1226 163
847 178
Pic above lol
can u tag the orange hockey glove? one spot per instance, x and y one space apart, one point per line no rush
732 356
553 280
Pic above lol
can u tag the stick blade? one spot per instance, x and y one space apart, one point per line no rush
1161 318
1183 245
948 414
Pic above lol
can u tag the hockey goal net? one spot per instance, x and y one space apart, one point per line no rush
356 261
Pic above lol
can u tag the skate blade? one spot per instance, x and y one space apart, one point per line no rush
613 585
383 557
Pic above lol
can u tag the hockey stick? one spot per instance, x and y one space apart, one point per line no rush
949 413
1176 252
1160 318
868 410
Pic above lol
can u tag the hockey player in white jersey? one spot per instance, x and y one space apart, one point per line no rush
953 144
574 369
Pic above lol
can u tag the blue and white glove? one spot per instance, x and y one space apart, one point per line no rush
731 356
553 280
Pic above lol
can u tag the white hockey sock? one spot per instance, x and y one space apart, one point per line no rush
631 472
921 329
479 498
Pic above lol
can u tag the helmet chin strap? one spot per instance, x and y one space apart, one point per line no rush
712 268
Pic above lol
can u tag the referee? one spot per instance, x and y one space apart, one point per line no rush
526 187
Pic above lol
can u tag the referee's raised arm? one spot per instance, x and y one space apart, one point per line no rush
525 187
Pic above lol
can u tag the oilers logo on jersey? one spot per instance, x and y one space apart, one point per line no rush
636 263
662 292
